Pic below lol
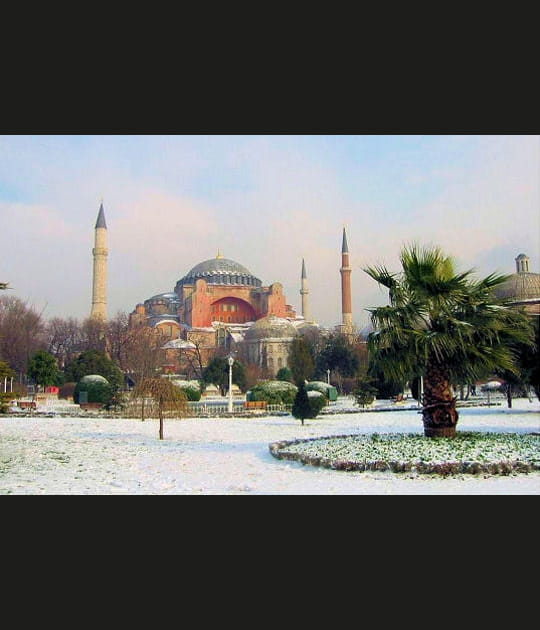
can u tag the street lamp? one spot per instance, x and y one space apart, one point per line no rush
230 361
328 376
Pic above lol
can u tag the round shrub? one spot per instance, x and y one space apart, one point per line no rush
329 391
97 387
191 389
273 392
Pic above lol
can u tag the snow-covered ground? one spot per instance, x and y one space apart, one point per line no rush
55 455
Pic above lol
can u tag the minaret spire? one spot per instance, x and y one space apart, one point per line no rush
346 298
100 223
344 245
100 253
304 292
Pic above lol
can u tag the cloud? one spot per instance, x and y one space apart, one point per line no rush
264 201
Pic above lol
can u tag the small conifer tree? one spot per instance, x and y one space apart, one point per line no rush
364 391
300 361
301 407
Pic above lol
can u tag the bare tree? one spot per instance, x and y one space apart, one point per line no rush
21 332
118 334
143 353
94 334
64 337
167 397
198 357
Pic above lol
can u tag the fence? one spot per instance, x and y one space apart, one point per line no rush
204 409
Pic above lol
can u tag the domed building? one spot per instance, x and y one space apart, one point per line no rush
215 290
523 287
266 343
213 306
222 290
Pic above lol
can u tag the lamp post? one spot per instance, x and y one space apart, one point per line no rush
230 361
328 376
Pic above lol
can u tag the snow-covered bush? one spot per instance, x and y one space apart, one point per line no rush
192 389
318 386
273 392
97 387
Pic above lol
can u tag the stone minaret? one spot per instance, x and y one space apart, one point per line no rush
346 302
304 292
100 252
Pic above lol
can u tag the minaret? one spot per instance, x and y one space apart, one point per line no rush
346 302
100 252
304 292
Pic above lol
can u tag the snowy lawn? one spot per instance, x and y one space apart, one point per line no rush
54 455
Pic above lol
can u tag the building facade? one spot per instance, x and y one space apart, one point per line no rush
523 287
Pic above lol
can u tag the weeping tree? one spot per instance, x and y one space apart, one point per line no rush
443 325
167 397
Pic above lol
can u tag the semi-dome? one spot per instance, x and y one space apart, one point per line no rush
221 271
271 327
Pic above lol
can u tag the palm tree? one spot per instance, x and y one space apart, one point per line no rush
444 326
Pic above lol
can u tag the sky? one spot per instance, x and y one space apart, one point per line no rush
264 201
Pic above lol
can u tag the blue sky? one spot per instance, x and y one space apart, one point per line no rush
266 201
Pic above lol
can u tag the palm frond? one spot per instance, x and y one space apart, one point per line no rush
382 276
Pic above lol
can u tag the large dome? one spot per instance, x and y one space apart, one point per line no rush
271 327
520 286
221 271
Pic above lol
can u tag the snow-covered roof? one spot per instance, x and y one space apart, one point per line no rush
180 344
272 327
187 384
93 378
164 321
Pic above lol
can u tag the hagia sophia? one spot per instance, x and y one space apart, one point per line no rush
220 305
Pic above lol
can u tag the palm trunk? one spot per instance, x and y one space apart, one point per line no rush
439 405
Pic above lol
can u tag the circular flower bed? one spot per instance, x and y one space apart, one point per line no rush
468 452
